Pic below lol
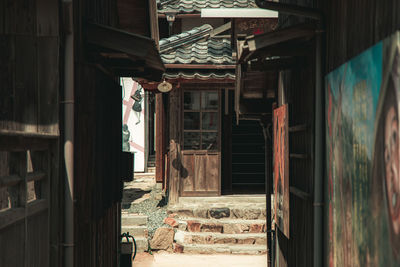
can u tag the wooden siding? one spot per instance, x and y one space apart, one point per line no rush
298 86
134 16
31 227
98 168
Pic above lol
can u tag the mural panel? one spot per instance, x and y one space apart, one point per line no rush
362 159
281 168
133 126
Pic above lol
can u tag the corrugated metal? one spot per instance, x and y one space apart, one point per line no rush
191 6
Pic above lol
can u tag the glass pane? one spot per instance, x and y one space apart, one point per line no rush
191 100
191 121
210 141
191 140
209 100
210 121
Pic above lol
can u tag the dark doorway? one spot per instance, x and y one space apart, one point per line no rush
243 155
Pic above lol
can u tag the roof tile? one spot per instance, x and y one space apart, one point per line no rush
191 6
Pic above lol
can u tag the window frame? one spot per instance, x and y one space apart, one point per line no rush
200 111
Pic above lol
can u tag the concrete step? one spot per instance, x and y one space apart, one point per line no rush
144 175
129 219
232 199
246 211
183 237
135 231
223 249
226 226
142 244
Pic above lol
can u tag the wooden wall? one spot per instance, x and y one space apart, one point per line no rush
134 16
29 61
354 26
31 226
98 168
98 148
350 28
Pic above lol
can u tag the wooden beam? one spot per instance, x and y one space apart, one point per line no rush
160 138
290 9
174 145
35 176
279 36
6 181
221 29
180 16
199 66
272 64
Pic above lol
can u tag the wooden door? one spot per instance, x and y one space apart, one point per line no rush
201 156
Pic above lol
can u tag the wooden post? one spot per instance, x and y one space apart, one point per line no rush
174 146
160 139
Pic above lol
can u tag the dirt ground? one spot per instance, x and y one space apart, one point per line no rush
164 259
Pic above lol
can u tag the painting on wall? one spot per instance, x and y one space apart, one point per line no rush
281 168
362 159
133 126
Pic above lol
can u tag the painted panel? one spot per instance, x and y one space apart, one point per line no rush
362 159
133 121
281 168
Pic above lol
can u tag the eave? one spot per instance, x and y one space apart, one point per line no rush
123 53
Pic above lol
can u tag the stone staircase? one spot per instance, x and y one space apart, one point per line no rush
226 224
136 225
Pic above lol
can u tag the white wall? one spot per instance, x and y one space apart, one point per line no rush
131 118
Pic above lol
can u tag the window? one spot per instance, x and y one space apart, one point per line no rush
200 120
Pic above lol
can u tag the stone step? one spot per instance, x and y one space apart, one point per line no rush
226 226
133 220
183 238
225 199
135 231
223 249
244 211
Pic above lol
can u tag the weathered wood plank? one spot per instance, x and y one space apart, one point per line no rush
213 171
48 84
200 170
18 166
25 94
174 145
47 17
10 180
160 138
188 162
11 216
37 238
7 80
20 16
23 142
12 250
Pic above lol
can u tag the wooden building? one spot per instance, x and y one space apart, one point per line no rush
206 152
312 39
61 160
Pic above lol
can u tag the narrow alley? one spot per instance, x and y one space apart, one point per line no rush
213 132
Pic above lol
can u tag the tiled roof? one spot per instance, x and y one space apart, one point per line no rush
192 6
200 75
186 37
188 48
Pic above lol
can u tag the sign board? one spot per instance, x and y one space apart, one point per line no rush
362 159
281 168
